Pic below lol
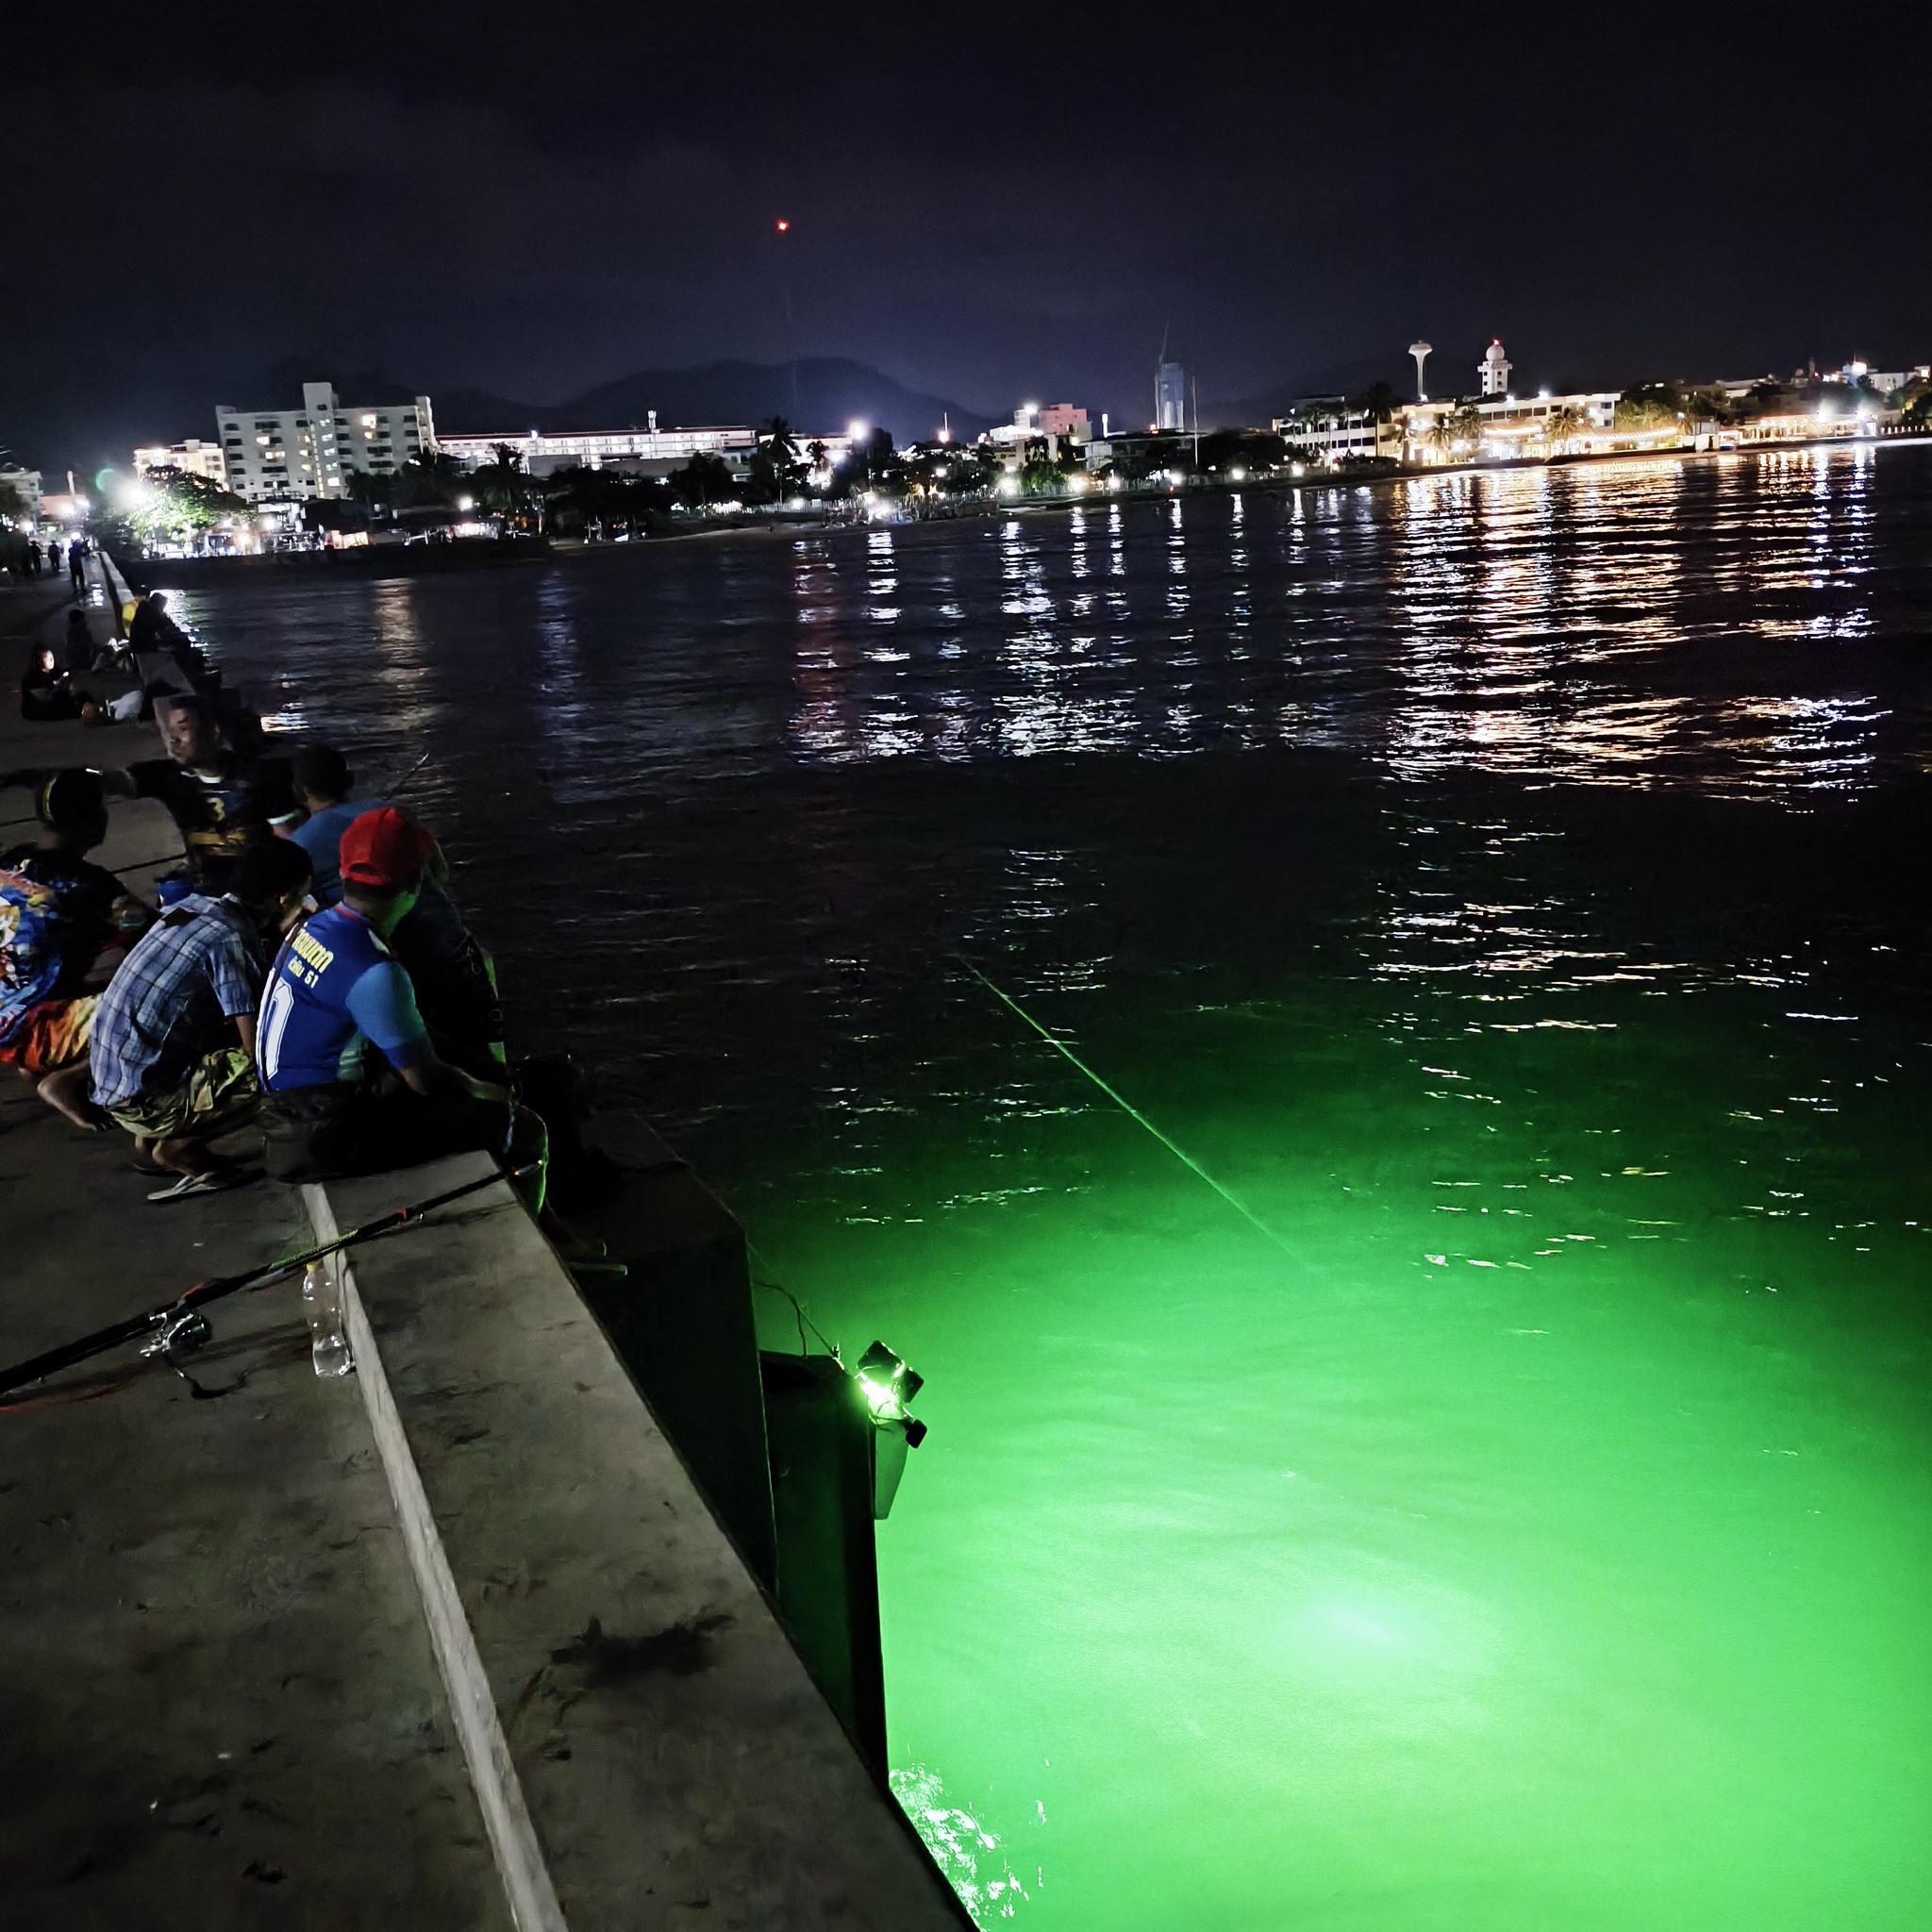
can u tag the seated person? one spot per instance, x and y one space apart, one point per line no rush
47 693
221 802
153 627
59 914
354 1083
454 978
323 782
174 1036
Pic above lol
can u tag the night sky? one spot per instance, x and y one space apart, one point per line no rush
989 204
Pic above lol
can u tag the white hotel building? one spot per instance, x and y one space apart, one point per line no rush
194 458
274 454
648 451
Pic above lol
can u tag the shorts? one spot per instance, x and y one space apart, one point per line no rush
53 1035
219 1092
324 1133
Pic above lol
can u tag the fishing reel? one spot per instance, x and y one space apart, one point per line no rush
185 1332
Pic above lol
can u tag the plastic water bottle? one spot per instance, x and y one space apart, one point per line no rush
321 1302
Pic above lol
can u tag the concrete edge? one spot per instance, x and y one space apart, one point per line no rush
519 1863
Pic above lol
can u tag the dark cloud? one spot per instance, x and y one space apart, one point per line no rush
535 200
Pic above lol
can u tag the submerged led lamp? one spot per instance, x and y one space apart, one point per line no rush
887 1385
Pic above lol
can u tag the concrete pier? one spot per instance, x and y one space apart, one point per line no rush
455 1642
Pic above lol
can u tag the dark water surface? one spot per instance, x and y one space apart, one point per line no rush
1501 1500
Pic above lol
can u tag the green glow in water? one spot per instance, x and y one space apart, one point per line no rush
1543 1545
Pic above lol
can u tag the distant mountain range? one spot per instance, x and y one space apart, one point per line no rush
816 393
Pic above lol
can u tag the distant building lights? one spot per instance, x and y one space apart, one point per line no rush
1237 476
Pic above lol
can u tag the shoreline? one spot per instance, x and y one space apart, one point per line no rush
363 563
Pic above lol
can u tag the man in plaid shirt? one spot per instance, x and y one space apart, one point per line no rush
174 1037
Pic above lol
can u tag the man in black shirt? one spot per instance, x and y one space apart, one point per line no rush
221 802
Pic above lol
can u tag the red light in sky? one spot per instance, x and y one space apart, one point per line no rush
783 226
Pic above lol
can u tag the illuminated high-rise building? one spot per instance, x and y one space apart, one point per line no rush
313 451
1171 396
1493 369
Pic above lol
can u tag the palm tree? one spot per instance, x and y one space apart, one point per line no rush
1378 403
1562 426
1462 427
780 450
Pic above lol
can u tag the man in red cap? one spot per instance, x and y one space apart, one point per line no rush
352 1080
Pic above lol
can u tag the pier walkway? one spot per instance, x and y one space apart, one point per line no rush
453 1643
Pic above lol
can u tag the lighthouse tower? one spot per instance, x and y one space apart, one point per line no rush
1494 370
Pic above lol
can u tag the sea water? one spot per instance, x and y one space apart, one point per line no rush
1443 1442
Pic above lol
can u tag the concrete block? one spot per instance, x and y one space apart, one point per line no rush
670 1752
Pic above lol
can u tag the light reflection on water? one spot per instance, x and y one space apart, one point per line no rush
1547 624
1506 886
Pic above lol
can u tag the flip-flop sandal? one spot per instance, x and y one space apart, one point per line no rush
187 1185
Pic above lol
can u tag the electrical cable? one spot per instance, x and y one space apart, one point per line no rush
764 1280
1127 1107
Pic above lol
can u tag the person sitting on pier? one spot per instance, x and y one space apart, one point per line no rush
153 627
221 802
174 1036
63 921
454 978
323 782
354 1083
48 694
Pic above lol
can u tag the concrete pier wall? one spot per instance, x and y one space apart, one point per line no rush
651 1744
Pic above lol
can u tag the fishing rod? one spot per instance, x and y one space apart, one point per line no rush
470 710
1128 1107
180 1324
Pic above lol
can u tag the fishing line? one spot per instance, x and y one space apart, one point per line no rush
470 711
1128 1107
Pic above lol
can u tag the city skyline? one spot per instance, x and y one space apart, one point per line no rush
977 215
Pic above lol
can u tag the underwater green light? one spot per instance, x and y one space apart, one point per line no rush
887 1385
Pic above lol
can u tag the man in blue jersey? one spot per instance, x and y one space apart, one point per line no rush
354 1083
454 977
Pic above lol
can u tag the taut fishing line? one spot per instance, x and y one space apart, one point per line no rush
1128 1107
470 710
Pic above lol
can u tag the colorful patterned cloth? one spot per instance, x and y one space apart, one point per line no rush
54 1035
55 914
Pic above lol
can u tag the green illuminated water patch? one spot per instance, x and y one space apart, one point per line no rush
1540 1540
